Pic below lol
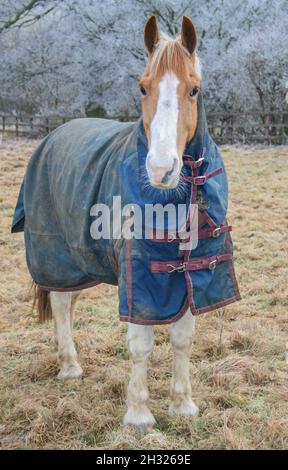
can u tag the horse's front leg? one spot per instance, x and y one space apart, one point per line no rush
181 336
140 340
67 356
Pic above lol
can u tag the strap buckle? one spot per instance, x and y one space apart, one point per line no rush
216 232
213 264
171 237
180 269
198 162
199 180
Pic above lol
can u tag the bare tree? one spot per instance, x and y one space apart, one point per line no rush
23 13
72 55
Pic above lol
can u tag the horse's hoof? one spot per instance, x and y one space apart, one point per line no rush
186 408
140 417
70 372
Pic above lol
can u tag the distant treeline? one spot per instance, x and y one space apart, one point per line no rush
78 56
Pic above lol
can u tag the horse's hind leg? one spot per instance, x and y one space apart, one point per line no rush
140 340
74 297
181 336
61 303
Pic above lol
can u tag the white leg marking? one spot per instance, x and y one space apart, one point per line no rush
140 340
67 356
181 335
74 298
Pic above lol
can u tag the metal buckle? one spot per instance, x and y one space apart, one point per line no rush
180 269
213 264
199 180
216 232
171 237
198 162
191 162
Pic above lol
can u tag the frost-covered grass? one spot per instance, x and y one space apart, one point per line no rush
238 363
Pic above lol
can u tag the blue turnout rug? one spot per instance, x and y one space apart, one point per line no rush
89 161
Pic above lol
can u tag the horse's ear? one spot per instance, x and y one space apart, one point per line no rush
151 34
188 35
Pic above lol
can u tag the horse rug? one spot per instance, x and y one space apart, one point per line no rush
88 161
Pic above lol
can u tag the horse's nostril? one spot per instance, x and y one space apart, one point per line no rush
166 177
169 173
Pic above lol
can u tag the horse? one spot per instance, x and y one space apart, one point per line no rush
170 87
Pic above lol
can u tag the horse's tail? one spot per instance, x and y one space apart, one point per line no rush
42 302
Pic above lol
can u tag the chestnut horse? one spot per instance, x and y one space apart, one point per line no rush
169 88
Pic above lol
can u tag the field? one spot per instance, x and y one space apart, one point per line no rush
238 364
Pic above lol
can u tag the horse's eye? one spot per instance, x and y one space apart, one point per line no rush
194 91
143 91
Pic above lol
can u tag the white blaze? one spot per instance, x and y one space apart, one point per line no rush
164 124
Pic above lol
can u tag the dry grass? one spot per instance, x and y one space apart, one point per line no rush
238 363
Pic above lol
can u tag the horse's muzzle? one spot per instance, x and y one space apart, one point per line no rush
164 176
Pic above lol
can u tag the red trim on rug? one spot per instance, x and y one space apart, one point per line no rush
128 265
113 264
228 245
220 304
157 322
187 251
199 311
71 289
189 286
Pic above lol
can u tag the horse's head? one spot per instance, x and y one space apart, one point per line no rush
169 87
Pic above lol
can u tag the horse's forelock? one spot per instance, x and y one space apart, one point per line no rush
171 56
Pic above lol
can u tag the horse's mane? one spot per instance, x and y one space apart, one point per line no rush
170 55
